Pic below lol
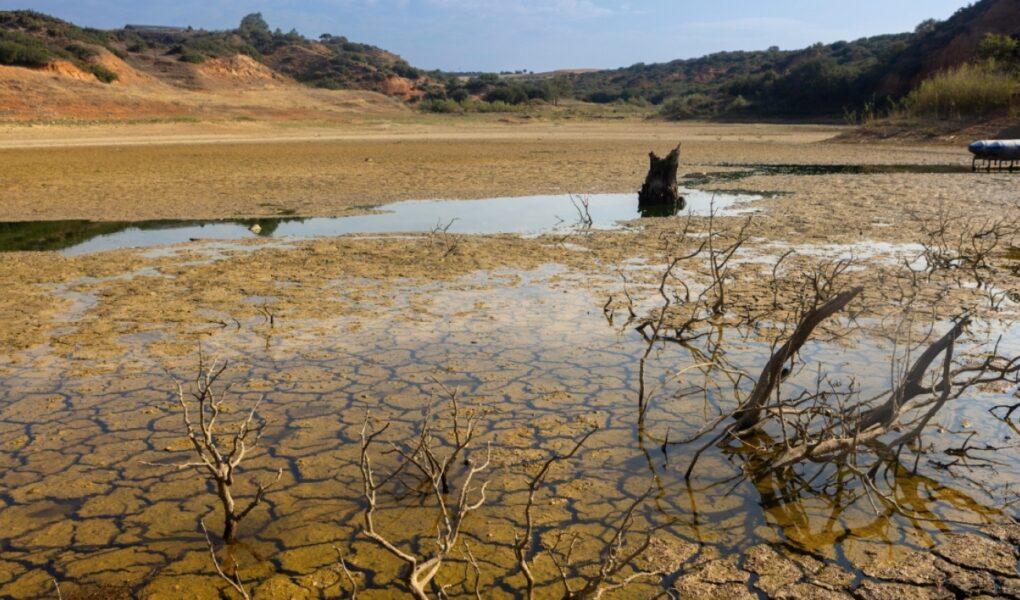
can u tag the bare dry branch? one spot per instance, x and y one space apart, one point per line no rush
423 570
217 460
749 414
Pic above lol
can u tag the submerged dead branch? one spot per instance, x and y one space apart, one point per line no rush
749 415
582 204
426 458
829 426
523 543
614 560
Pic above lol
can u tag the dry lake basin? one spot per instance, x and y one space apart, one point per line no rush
359 304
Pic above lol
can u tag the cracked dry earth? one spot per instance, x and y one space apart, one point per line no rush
534 334
969 565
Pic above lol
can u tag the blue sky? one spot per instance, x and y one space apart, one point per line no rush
539 35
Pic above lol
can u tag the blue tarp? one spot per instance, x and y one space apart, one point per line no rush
996 149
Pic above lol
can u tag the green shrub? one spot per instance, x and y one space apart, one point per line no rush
81 52
492 107
448 106
188 55
23 53
694 106
13 53
102 73
969 91
1002 49
437 105
507 94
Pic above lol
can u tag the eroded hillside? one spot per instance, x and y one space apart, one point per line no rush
51 69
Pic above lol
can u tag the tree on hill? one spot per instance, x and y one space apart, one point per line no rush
255 30
1004 50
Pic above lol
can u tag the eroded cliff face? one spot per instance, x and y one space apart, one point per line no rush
951 44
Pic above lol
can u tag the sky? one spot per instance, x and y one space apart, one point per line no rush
536 35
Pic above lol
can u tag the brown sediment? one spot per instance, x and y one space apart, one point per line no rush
364 324
207 171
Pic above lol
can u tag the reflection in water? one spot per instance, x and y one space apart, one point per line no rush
62 235
818 510
77 499
532 215
662 210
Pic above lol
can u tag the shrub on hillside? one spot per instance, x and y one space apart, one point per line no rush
188 55
81 52
509 94
22 51
695 106
441 105
13 53
448 106
102 73
1003 49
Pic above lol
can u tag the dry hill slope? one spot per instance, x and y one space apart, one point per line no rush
53 70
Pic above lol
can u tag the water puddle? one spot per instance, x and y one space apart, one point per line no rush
530 215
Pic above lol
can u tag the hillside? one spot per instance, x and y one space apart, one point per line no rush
823 80
50 68
948 44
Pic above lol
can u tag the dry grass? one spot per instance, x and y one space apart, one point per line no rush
967 92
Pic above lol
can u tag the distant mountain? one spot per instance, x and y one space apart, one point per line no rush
199 59
823 80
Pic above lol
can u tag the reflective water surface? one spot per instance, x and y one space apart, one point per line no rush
532 215
531 352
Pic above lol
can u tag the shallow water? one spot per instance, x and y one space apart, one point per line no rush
743 171
530 215
531 350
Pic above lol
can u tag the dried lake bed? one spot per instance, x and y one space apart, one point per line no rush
537 335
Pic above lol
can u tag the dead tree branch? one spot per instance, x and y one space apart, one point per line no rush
582 204
218 460
422 570
235 581
448 242
749 415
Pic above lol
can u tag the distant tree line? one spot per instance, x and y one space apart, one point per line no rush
490 92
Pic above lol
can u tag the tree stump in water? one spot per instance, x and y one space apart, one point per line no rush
660 190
